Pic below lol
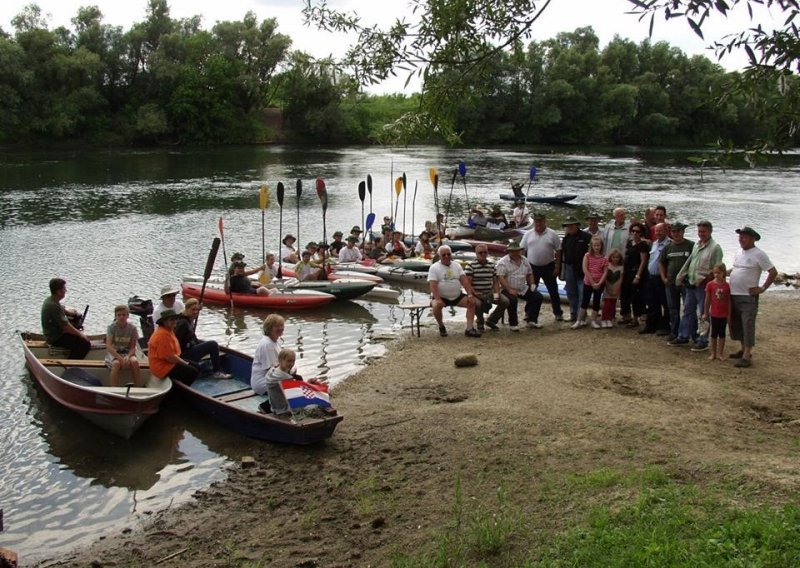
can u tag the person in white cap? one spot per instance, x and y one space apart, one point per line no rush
169 301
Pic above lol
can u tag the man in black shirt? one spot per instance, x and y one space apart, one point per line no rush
574 246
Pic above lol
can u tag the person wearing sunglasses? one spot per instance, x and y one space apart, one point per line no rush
450 286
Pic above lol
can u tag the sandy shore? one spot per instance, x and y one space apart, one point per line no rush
420 435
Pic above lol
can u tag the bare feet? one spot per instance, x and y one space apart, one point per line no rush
712 357
722 357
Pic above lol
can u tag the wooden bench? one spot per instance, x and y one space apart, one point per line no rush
89 363
415 311
247 393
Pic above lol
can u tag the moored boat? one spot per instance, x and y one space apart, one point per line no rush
82 386
553 199
232 403
281 300
341 288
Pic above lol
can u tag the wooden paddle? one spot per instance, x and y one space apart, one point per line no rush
225 255
263 202
212 258
398 187
299 189
434 176
369 189
281 191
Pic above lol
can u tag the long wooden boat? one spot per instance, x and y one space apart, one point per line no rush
553 199
82 386
232 403
283 300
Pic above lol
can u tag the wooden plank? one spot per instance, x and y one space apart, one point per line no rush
135 391
247 393
88 363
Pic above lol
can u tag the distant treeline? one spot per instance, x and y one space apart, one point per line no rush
168 81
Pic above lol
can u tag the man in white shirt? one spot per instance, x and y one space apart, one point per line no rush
745 290
350 253
516 281
169 301
542 248
446 279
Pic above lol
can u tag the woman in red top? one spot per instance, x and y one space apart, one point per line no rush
718 308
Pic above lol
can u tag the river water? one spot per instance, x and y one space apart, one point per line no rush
118 223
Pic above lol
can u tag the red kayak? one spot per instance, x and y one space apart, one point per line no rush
283 300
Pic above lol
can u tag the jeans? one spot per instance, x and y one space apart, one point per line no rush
675 295
695 300
574 286
183 373
198 351
533 303
501 303
546 274
78 346
656 299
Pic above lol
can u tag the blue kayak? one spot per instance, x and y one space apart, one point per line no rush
560 198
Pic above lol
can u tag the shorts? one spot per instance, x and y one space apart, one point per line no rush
455 302
718 327
744 310
109 358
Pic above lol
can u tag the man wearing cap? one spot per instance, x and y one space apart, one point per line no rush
593 227
163 351
57 329
446 279
169 301
655 290
477 218
350 252
672 260
616 233
543 251
574 246
337 244
516 280
745 275
694 275
396 246
497 219
356 232
288 250
482 277
234 258
239 282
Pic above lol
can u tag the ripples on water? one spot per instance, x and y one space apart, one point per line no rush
116 224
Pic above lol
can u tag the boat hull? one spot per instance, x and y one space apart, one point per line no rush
284 300
554 199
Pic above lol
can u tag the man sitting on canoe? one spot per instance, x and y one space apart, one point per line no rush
239 282
350 253
519 216
337 244
163 352
192 349
424 249
396 247
57 329
497 219
288 250
169 301
307 269
517 189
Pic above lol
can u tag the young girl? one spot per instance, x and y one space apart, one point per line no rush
718 307
613 287
121 338
280 372
594 279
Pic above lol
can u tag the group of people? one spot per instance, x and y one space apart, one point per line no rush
667 284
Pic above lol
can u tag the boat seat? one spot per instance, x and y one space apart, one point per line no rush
88 363
247 393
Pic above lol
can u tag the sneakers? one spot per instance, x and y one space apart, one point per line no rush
678 341
442 331
595 324
742 363
699 347
472 332
606 324
220 375
513 327
577 324
534 325
491 325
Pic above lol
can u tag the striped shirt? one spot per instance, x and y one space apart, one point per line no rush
482 276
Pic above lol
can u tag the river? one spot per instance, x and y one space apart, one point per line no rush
123 222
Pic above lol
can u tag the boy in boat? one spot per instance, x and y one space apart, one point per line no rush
239 282
121 338
280 372
57 329
307 269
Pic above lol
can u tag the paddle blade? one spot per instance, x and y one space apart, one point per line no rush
455 175
221 228
212 258
462 169
436 182
533 173
370 221
433 176
263 278
299 187
322 193
369 183
263 197
281 190
362 191
405 181
398 186
320 185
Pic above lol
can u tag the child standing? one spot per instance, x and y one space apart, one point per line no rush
613 287
718 307
594 279
121 338
280 372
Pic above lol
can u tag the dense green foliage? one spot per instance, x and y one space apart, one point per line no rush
170 81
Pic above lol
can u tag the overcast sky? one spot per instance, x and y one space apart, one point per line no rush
607 17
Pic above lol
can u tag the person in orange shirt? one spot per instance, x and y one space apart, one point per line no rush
163 351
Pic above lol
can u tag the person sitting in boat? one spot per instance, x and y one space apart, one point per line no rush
282 371
477 218
375 250
388 224
270 268
169 301
121 338
356 232
239 282
267 351
192 349
497 219
164 351
424 248
307 269
396 247
517 189
350 253
57 329
237 256
288 250
337 244
519 216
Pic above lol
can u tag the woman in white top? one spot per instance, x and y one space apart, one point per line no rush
267 351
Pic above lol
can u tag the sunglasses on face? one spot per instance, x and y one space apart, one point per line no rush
635 231
446 254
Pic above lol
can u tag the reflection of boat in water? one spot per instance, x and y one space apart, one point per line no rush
82 386
102 457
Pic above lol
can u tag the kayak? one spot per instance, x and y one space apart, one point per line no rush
555 199
281 300
466 232
494 248
289 272
395 273
342 288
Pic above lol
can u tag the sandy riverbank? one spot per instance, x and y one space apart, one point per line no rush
541 405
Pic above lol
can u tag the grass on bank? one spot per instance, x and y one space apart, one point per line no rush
656 522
